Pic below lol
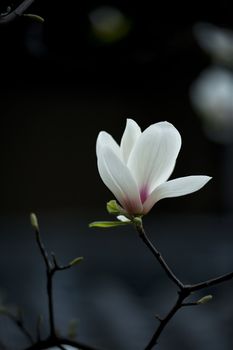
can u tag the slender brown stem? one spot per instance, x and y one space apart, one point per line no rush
18 11
24 331
19 323
52 266
211 282
158 256
43 250
50 301
164 322
184 290
49 272
57 266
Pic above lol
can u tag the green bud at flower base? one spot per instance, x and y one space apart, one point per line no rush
114 208
123 217
137 220
107 224
34 221
205 299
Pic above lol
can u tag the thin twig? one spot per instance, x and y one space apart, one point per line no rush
52 266
17 12
49 272
42 249
57 266
157 254
212 282
184 290
50 301
164 322
19 323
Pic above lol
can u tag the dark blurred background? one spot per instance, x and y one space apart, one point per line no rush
87 68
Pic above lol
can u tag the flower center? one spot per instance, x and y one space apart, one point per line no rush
143 193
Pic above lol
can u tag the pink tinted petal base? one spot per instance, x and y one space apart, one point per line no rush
131 206
144 193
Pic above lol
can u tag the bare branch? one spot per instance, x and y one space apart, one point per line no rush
158 256
164 322
184 290
52 266
212 282
18 322
17 12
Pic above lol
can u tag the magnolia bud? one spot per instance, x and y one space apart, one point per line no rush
114 208
34 221
76 261
205 299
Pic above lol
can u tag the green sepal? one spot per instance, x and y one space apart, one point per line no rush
114 208
137 220
107 224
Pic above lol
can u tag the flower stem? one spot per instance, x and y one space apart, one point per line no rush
50 301
212 282
158 256
20 324
52 266
183 292
164 321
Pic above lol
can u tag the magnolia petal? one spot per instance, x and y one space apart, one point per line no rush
123 218
175 188
130 135
118 179
154 155
105 139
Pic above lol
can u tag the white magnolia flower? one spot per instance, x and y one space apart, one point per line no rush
136 172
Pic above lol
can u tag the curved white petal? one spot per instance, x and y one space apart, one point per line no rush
123 218
130 135
154 155
118 179
175 188
104 139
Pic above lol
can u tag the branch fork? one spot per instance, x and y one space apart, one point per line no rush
10 15
184 290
